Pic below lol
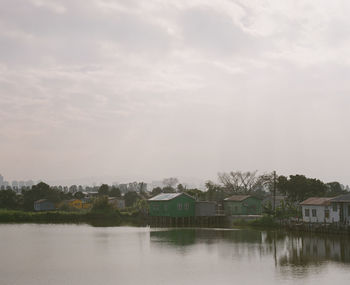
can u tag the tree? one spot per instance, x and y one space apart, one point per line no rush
335 188
298 187
168 189
180 188
101 205
155 191
115 192
196 193
79 195
40 191
130 198
8 199
238 182
214 191
170 182
103 190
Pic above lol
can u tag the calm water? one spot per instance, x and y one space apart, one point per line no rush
81 254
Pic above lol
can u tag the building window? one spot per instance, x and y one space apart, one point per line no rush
335 208
314 213
236 209
307 213
349 210
326 214
179 206
186 206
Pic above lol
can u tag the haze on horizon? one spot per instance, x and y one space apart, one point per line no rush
153 89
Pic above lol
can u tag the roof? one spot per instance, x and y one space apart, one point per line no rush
342 198
115 198
42 200
238 198
168 196
317 201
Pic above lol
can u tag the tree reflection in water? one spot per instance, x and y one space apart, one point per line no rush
292 253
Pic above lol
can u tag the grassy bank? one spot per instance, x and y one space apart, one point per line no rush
265 222
101 218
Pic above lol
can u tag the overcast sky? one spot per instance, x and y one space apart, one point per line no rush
151 89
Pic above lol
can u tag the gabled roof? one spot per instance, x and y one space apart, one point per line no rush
238 198
168 196
342 198
317 201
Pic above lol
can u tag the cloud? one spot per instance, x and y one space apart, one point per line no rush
173 88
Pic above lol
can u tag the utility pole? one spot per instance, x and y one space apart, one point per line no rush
274 192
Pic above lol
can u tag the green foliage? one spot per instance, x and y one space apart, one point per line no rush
180 188
168 189
103 190
298 187
41 191
101 205
334 189
8 199
79 195
115 192
285 210
94 218
215 192
156 191
196 193
130 198
142 206
264 222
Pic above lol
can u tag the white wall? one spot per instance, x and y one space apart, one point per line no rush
320 214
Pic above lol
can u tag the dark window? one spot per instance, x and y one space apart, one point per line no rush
179 206
314 212
349 210
326 214
335 208
307 213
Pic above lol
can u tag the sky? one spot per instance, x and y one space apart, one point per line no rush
142 90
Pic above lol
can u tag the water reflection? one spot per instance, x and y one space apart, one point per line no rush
81 254
306 250
291 253
192 236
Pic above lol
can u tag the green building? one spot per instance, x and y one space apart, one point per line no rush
172 205
242 205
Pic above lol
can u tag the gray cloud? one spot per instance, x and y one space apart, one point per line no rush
189 88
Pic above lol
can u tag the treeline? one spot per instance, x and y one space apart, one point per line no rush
295 188
12 200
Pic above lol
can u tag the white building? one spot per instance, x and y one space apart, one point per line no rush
320 210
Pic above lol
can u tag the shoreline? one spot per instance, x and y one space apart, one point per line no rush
113 218
116 218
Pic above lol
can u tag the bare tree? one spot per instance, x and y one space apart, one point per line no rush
241 182
170 182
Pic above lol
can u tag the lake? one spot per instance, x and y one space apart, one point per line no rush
82 254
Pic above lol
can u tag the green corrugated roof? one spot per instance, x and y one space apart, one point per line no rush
168 196
165 196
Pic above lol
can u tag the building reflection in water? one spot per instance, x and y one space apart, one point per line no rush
290 252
